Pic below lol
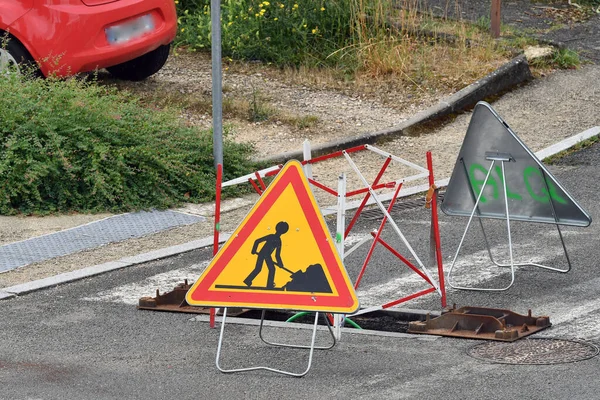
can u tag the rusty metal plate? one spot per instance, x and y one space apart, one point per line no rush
534 351
481 323
174 301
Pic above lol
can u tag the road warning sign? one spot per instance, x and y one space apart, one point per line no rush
280 257
533 194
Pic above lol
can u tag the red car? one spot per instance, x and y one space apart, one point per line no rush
130 38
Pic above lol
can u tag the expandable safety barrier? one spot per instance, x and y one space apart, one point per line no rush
369 194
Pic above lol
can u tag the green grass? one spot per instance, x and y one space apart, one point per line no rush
72 145
357 40
579 146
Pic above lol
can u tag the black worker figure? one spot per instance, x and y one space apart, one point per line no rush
265 255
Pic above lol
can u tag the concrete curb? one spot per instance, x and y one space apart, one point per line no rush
4 295
506 77
567 143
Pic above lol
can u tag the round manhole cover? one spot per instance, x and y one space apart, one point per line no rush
534 351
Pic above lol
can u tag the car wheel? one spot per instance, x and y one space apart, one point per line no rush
15 57
142 67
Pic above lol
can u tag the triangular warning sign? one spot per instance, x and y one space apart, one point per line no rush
533 192
280 257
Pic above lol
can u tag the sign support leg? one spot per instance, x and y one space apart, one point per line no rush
295 346
562 241
289 373
475 208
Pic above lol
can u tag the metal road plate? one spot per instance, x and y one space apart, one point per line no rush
533 193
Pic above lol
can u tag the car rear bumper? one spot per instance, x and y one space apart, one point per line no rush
70 38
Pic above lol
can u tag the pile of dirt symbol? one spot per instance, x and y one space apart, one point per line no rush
312 280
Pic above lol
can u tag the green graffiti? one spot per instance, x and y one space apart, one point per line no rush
545 195
477 184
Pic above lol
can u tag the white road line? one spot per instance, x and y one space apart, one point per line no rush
131 293
579 320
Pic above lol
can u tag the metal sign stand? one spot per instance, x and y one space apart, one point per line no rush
312 347
503 158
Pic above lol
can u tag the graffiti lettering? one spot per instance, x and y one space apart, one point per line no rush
545 195
478 172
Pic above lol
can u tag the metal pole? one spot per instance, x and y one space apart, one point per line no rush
217 84
217 227
338 319
495 18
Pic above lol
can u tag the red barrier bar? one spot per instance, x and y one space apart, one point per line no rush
407 298
334 154
323 187
436 230
374 187
370 253
403 259
217 226
260 181
255 186
274 172
367 197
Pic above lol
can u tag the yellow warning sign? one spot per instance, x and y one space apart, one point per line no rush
281 256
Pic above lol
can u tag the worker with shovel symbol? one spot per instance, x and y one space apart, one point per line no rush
272 244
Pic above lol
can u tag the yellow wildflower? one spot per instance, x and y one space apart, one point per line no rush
275 19
295 7
322 8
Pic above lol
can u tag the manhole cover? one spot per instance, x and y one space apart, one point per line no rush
534 351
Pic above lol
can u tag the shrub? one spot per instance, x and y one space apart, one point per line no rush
355 38
283 32
77 146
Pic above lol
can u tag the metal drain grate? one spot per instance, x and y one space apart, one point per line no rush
534 351
95 234
374 213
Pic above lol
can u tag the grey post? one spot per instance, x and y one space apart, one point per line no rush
217 87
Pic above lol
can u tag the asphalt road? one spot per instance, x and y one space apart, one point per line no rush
86 340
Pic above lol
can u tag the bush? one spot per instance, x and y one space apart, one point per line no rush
78 146
283 32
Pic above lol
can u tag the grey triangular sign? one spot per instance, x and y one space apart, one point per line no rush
533 193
